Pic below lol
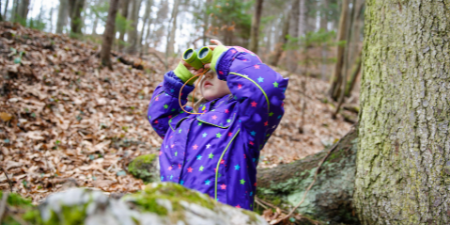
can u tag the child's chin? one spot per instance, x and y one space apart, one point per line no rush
209 97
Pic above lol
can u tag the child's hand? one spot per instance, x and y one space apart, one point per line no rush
205 66
193 70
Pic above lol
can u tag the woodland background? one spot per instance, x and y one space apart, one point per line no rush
77 77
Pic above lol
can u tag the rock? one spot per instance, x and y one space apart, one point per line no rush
145 167
158 203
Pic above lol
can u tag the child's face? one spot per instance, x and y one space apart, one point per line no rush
212 87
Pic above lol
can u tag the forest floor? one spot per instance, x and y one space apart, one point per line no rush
65 121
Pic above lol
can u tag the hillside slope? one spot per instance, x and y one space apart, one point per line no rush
68 122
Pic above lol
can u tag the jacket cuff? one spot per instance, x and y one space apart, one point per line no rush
172 85
224 62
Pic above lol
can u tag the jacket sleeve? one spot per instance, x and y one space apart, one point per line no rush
258 88
164 104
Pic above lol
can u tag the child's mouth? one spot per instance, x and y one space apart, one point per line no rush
207 84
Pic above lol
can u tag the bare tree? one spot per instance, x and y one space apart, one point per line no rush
22 10
254 40
62 16
171 36
282 40
148 11
133 32
108 35
124 6
75 8
5 11
324 27
337 75
1 17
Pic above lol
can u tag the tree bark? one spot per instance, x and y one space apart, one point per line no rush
148 10
404 158
23 10
124 6
75 8
206 20
330 198
282 40
356 70
108 35
133 32
302 15
1 17
347 57
62 16
324 48
254 34
171 36
337 74
5 17
14 10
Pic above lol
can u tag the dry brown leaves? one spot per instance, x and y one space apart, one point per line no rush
67 122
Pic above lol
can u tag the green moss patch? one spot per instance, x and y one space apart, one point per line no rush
144 167
152 198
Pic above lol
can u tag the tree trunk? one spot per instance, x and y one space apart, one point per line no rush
1 17
14 10
148 10
206 20
330 198
356 70
124 6
292 54
302 16
337 75
254 34
22 11
324 48
347 57
133 32
5 17
62 16
108 35
75 8
171 36
404 158
282 40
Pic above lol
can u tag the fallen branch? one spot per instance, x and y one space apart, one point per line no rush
9 181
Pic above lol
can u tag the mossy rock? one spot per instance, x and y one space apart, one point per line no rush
159 203
19 210
145 167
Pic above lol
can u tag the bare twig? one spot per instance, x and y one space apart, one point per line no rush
9 181
312 183
259 203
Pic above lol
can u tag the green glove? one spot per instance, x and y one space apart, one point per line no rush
216 54
184 74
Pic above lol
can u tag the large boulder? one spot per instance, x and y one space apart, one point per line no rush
158 203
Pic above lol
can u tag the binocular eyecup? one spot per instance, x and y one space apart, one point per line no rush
197 58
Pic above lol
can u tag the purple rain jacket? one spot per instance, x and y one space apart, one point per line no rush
217 152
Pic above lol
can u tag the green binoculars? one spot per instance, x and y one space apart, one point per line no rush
196 58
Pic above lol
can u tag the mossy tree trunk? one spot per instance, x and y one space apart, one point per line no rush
330 199
403 160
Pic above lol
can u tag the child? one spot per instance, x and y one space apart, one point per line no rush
216 151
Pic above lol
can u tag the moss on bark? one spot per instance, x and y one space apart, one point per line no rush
404 143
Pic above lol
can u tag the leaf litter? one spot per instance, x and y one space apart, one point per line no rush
65 121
